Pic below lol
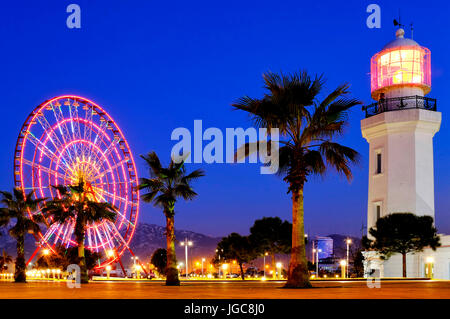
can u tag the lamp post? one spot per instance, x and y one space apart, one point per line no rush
348 241
224 266
108 270
343 268
265 254
203 260
217 251
134 263
186 243
429 267
317 251
279 270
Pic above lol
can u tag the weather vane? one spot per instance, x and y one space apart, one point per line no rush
400 25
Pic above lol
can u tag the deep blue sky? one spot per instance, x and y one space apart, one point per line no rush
156 65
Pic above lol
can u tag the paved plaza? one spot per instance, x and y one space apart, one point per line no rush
396 289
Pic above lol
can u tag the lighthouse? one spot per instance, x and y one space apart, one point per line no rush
399 127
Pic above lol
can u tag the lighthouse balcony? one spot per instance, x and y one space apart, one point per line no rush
400 103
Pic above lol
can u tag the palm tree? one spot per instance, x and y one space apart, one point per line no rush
5 259
76 202
307 147
16 206
164 187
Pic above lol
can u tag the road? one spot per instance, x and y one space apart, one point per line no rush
227 290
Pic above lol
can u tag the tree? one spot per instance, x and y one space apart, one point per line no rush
402 233
164 187
271 235
236 247
308 129
64 257
77 202
159 260
5 259
358 263
17 205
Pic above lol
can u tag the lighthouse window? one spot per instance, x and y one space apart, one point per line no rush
378 170
378 208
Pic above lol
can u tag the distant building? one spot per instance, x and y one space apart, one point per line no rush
325 246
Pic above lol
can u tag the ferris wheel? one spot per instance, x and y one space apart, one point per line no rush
69 137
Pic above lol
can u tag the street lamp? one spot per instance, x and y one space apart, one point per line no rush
279 270
179 266
265 254
219 259
343 268
186 243
203 260
224 267
108 270
348 241
317 251
134 262
138 271
429 267
111 253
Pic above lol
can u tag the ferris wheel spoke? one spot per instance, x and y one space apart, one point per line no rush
91 150
109 170
44 149
51 135
108 236
103 191
45 169
63 130
88 116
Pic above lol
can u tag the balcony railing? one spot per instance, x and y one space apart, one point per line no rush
400 103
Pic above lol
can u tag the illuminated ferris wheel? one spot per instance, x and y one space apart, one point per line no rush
69 137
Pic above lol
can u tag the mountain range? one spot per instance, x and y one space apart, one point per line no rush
149 237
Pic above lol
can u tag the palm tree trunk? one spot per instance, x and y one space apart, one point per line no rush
242 271
171 270
274 272
404 264
79 237
298 276
19 274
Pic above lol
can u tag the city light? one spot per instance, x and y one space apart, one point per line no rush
45 252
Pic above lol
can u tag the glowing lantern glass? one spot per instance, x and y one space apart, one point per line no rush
401 66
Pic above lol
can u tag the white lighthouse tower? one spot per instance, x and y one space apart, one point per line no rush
400 127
